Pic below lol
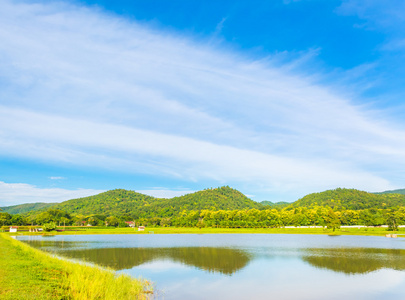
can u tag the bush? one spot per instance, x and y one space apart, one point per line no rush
49 226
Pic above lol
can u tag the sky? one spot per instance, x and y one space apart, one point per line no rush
277 99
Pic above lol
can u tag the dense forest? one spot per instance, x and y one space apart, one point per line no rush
220 207
401 191
25 208
341 199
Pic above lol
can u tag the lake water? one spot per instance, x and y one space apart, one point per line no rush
246 266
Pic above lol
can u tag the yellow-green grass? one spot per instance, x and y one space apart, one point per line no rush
27 273
376 231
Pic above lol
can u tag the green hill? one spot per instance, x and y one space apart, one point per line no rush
351 199
131 204
25 208
222 198
401 191
115 202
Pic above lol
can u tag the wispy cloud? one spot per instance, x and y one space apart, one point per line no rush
56 178
82 87
18 193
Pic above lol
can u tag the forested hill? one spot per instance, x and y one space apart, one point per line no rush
133 205
351 199
115 202
121 202
24 208
401 191
222 198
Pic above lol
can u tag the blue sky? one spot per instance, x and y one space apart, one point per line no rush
277 99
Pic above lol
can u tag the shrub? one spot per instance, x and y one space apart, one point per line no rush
49 226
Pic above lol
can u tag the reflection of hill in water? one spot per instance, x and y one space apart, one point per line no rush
226 260
356 260
223 260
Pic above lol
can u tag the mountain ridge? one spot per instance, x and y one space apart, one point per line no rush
133 204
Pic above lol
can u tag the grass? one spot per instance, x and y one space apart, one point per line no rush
374 231
27 273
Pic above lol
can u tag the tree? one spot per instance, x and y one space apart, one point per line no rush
112 221
17 220
49 226
5 219
392 223
332 220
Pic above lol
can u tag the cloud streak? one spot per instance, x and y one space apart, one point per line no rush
82 87
18 193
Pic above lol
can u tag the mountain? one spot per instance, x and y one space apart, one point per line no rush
131 204
24 208
351 199
401 191
222 198
115 202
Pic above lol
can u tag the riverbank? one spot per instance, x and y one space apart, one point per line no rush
27 273
373 231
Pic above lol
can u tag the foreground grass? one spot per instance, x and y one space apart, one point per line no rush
27 273
373 231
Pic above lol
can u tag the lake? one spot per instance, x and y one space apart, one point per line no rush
246 266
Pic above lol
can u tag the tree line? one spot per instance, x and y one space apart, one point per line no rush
247 218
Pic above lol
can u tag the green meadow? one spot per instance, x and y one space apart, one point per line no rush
373 231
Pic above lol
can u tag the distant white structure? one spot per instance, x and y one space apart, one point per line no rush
141 228
13 228
130 223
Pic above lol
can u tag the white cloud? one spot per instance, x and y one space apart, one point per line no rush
19 193
117 147
56 178
86 88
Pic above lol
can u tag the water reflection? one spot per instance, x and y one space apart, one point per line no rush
227 260
222 260
212 259
356 260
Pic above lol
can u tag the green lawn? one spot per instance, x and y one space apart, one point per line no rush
172 230
27 273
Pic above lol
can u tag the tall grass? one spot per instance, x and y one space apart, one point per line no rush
87 282
62 279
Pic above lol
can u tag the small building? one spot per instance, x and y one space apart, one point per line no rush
141 228
13 228
130 223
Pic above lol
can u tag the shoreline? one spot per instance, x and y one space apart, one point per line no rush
360 231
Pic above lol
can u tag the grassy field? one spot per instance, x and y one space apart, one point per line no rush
27 273
376 231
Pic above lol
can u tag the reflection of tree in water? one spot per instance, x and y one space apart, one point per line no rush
356 260
50 245
226 260
223 260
